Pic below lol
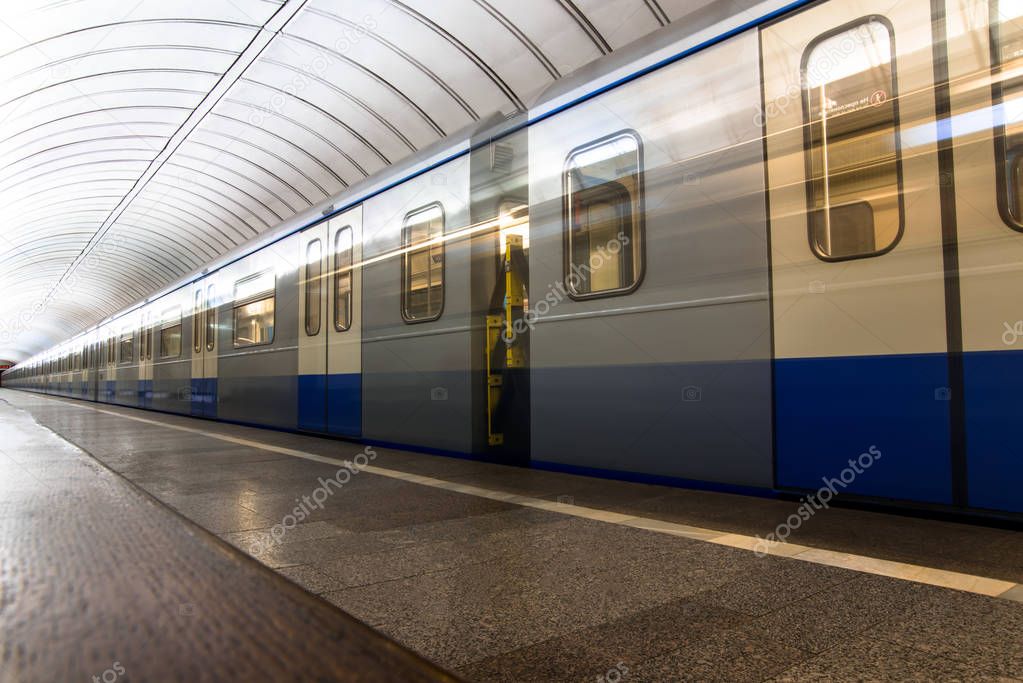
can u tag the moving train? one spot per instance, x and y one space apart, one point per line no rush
738 255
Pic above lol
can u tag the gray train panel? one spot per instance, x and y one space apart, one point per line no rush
258 383
416 375
674 378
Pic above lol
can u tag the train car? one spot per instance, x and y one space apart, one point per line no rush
770 248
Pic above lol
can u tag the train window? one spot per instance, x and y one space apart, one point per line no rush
343 250
1007 92
197 322
254 301
127 344
603 205
422 265
313 287
170 334
211 320
853 160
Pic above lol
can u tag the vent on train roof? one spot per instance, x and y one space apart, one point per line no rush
501 157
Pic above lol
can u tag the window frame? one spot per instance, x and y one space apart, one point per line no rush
120 347
197 319
270 293
164 326
807 142
350 295
211 318
309 291
999 135
406 256
638 236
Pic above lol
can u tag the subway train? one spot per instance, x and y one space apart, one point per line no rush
738 255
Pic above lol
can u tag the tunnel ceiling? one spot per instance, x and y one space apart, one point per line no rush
141 139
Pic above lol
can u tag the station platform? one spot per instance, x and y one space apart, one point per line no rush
108 517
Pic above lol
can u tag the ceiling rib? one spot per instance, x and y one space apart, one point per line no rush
252 51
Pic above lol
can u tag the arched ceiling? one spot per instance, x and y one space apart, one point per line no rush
140 139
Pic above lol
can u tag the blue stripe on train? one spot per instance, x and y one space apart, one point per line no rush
344 404
330 403
831 410
204 396
145 394
312 402
994 429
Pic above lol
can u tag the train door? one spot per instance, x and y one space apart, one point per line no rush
93 365
106 372
146 359
312 333
985 62
344 324
204 346
862 381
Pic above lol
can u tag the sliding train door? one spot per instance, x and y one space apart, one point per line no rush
344 324
862 382
312 333
985 45
204 341
330 339
146 322
92 365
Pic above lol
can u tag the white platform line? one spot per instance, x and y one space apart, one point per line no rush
898 570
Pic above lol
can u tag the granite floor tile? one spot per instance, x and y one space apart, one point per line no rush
596 650
247 540
971 629
316 550
311 577
842 611
222 517
551 660
742 653
870 658
405 562
770 583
